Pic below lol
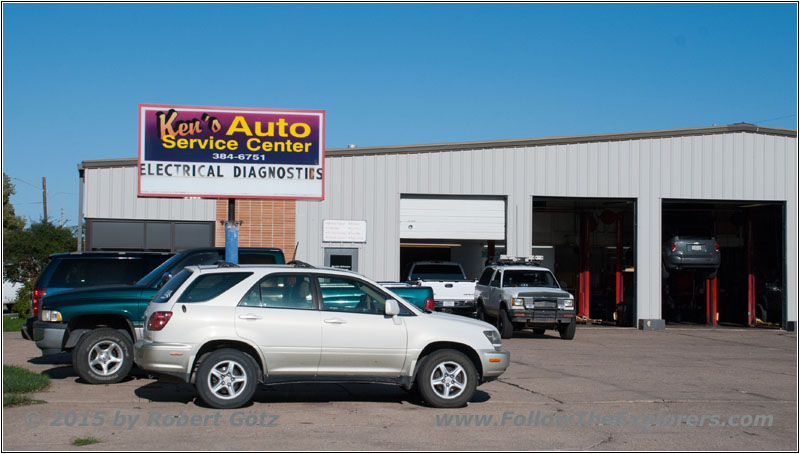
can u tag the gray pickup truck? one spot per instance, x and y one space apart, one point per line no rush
517 296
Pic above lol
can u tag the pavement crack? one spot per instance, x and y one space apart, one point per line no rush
530 390
607 440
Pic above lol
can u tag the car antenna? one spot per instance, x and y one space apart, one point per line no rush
294 254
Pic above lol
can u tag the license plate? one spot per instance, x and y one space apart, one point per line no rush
697 247
449 303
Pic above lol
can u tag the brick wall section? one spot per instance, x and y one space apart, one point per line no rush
267 223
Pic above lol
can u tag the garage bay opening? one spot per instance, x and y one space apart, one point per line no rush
589 244
746 288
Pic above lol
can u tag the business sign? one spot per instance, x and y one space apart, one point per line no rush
227 152
336 231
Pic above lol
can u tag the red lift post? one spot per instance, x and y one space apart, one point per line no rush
619 292
751 278
584 287
711 301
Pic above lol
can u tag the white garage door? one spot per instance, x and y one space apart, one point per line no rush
452 218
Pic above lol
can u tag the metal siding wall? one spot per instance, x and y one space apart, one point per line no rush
733 166
790 174
111 194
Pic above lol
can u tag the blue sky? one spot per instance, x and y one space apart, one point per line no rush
73 75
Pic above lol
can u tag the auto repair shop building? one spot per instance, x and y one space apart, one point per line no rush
599 208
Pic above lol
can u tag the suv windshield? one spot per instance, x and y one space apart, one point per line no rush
437 271
529 278
178 262
151 277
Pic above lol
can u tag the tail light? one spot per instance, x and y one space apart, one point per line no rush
674 247
38 294
158 320
429 304
716 247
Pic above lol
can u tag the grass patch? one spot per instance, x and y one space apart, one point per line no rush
16 400
85 441
18 380
12 323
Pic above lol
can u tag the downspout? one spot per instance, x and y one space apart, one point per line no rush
81 184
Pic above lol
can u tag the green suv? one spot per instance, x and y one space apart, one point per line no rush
99 325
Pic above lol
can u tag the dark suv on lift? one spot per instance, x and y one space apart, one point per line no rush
692 253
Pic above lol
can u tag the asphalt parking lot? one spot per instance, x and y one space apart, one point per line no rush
609 388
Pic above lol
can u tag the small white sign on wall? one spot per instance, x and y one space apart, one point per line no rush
339 231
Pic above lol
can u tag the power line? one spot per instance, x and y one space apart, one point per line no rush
29 184
773 119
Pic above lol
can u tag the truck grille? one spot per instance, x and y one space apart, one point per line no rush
540 303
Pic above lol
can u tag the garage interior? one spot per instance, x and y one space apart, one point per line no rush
748 289
471 254
589 244
463 229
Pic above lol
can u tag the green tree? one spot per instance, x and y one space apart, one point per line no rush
10 219
26 253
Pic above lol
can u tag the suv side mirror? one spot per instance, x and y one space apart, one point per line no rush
164 279
392 307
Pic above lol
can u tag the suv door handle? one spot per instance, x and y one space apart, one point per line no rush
250 317
335 321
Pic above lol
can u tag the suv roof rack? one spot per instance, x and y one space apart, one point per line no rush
531 260
224 264
299 264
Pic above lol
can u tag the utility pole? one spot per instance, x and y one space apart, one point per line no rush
44 197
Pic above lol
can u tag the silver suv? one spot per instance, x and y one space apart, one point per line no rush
226 329
517 294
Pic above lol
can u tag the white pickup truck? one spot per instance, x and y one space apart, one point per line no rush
452 291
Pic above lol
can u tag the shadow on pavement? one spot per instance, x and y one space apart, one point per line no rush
63 368
162 391
297 392
549 334
60 358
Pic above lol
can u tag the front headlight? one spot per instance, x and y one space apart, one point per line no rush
517 301
566 303
493 336
51 316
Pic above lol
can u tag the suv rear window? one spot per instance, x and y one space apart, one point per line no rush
88 272
209 286
252 258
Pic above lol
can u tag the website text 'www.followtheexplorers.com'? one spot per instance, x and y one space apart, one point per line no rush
538 418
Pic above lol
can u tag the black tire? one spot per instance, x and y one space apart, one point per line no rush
228 363
449 360
103 356
480 312
538 331
504 324
567 330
